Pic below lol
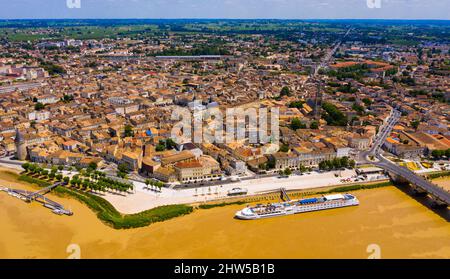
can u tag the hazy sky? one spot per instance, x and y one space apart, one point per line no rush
291 9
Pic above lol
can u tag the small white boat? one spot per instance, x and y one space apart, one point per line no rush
58 211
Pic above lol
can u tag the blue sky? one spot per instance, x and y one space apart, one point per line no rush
283 9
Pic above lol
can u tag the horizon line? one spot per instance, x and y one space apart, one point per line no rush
218 18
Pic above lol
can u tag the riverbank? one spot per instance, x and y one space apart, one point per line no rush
108 214
386 216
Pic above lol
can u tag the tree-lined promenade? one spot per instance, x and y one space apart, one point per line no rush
337 163
82 185
86 180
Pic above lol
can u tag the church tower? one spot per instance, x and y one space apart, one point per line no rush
21 146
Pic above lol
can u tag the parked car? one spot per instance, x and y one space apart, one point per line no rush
237 191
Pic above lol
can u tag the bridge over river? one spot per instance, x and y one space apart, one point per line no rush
421 185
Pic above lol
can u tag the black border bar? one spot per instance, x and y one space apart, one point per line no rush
226 268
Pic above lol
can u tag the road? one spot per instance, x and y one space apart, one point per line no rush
326 59
10 163
384 133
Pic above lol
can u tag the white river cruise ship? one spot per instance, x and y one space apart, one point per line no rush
297 206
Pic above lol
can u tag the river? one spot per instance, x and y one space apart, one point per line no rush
387 217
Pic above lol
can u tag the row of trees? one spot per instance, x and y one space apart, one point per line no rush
60 168
101 184
440 154
37 170
91 174
122 170
33 167
337 163
88 179
156 185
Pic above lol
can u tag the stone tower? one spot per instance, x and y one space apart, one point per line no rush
21 146
318 101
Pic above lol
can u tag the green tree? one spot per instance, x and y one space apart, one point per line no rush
297 124
333 115
67 98
358 108
54 169
122 167
302 169
122 174
26 166
285 91
284 148
287 171
323 165
296 104
367 101
170 143
39 106
160 147
352 164
129 131
92 166
271 163
437 154
415 124
314 125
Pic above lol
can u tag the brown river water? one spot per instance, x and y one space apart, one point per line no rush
400 225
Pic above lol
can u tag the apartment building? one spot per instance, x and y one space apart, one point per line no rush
203 168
